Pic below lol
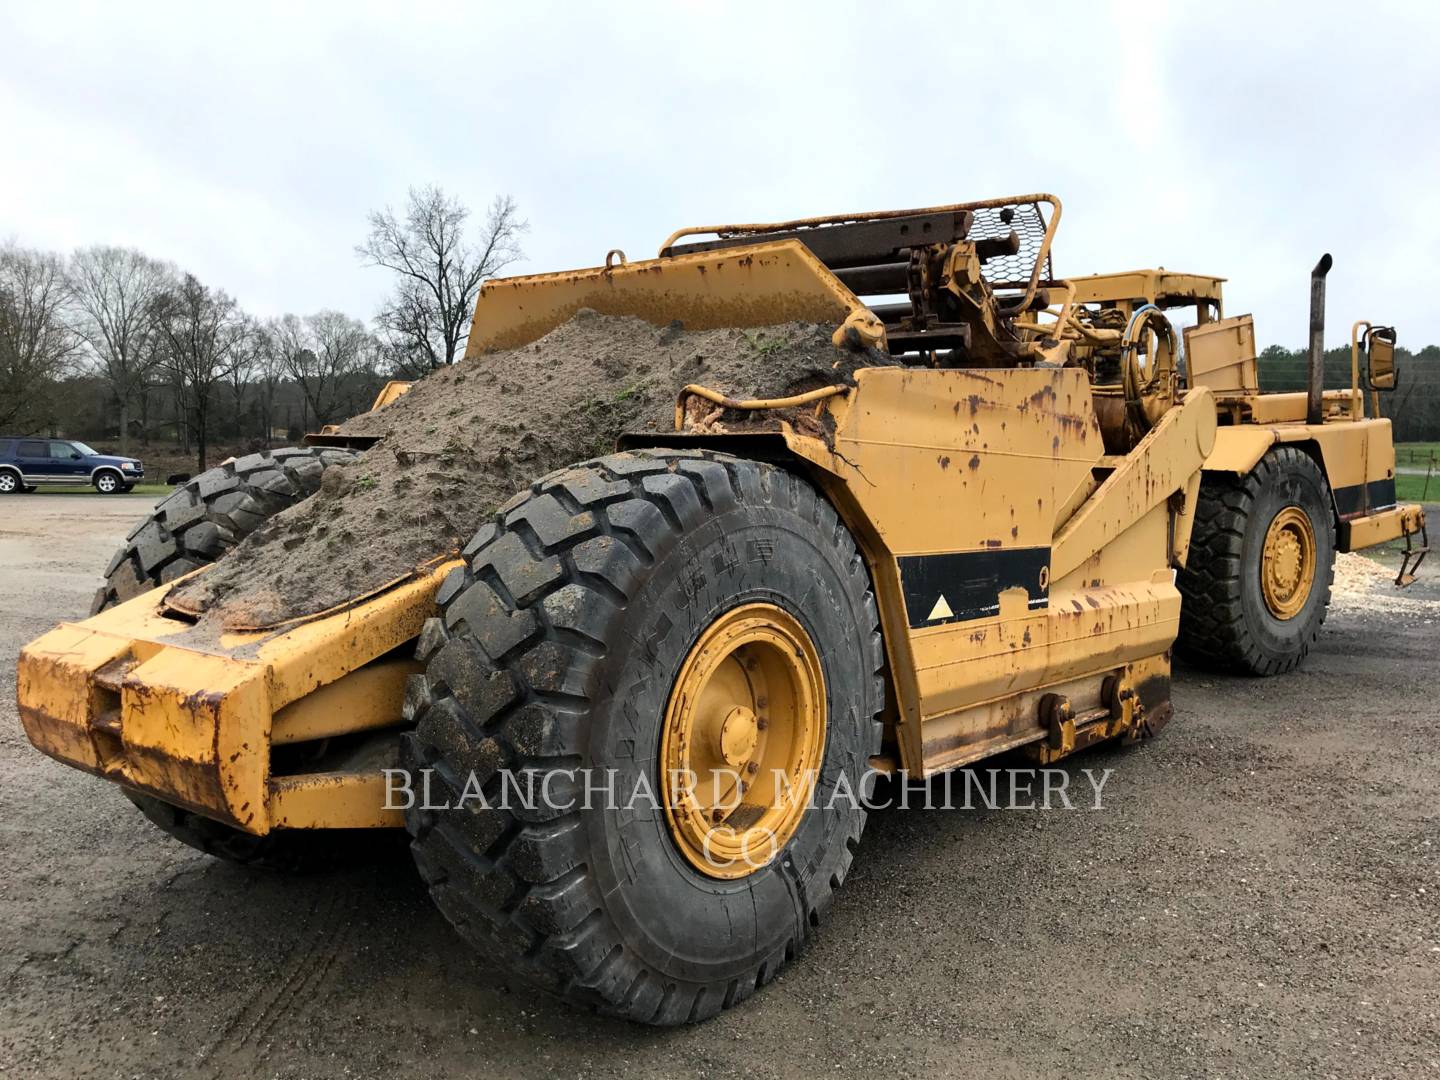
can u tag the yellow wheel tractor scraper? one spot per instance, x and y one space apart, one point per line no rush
639 711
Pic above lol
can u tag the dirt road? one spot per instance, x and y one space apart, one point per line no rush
1258 897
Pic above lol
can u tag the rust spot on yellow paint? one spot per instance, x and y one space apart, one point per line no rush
1042 397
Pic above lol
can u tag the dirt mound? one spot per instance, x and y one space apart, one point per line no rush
467 438
1363 586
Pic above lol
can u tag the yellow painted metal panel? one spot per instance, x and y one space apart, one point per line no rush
1003 723
1289 408
368 698
1163 463
314 653
934 463
391 391
342 800
1375 529
1221 355
54 692
196 727
1145 285
1238 447
759 285
1344 451
942 454
179 711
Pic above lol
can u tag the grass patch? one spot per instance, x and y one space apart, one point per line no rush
1417 454
760 344
146 490
629 392
1412 488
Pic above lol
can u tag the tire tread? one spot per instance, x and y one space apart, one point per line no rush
1214 631
207 516
580 536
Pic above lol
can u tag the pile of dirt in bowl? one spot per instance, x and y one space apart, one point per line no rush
468 437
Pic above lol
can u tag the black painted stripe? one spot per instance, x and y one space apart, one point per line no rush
971 582
1358 499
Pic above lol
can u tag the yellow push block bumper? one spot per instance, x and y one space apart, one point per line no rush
1398 521
193 717
1405 521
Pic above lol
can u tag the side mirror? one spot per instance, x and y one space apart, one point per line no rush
1380 373
75 456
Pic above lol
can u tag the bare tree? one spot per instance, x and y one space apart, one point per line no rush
280 340
244 369
114 292
406 324
202 333
322 353
36 345
427 318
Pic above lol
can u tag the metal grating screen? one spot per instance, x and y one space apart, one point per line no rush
1029 223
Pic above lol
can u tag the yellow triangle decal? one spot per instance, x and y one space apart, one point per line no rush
941 610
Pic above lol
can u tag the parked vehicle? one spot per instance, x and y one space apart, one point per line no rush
26 463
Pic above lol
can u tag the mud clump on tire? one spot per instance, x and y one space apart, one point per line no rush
469 437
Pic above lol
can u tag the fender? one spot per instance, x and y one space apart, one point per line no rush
1239 447
1356 457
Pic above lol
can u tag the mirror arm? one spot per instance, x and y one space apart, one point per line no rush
1357 399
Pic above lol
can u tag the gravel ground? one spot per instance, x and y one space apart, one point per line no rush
1258 897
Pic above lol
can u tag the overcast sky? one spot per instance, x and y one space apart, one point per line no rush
247 144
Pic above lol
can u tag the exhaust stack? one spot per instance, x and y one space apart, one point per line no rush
1315 392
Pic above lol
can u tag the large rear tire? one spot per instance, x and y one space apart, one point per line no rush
562 652
1256 585
195 526
287 851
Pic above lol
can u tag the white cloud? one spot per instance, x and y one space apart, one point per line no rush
1241 140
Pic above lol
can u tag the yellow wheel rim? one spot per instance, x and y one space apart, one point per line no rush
1287 564
742 743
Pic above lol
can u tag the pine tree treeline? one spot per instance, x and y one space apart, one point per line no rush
1413 406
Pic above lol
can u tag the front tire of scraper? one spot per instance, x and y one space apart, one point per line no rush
558 643
193 527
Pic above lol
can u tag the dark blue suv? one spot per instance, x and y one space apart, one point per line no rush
27 462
